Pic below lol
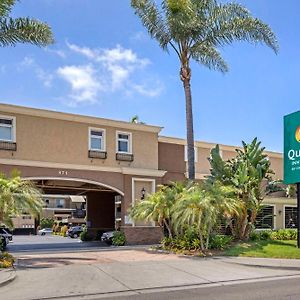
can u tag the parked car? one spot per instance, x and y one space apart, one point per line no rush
45 231
8 236
74 232
107 237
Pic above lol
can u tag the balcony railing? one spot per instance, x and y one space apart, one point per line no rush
10 146
124 157
97 154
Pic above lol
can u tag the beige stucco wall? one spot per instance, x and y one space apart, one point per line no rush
61 141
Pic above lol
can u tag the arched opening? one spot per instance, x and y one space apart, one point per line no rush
74 201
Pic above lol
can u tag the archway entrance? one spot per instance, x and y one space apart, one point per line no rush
74 201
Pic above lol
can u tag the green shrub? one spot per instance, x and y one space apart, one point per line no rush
219 241
2 244
85 236
260 235
119 238
46 223
284 234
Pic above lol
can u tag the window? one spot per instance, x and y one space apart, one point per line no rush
97 139
265 218
123 142
7 129
186 154
290 217
60 203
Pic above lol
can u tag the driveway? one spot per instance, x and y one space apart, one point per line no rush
36 243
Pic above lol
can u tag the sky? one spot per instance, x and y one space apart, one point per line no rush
104 64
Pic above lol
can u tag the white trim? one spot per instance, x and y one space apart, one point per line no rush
133 198
103 140
129 142
13 127
53 165
77 180
283 213
143 172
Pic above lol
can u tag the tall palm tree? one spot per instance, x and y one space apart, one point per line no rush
17 197
21 30
196 29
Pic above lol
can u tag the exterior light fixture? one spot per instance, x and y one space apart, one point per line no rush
143 192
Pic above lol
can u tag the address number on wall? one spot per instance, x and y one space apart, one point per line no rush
63 172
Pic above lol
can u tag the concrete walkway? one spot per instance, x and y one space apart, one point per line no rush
129 272
7 276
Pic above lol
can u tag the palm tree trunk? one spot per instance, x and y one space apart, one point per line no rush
185 75
168 228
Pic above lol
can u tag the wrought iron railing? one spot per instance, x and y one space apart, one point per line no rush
124 157
97 154
10 146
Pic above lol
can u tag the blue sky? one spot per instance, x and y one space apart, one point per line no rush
104 64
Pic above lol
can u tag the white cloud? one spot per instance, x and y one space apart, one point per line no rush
148 91
118 65
84 83
27 62
58 52
45 77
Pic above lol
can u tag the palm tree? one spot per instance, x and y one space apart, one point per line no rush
201 206
195 30
21 30
157 207
17 197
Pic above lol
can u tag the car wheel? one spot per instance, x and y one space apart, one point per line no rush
43 233
75 235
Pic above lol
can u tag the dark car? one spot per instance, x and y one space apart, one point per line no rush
74 232
3 243
107 237
6 233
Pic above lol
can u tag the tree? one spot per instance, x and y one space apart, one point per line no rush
157 207
248 172
136 120
17 197
201 206
196 30
21 30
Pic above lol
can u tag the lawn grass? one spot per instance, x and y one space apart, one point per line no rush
266 249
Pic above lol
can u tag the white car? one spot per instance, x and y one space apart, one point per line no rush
7 235
45 231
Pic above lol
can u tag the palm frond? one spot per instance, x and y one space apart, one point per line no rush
152 20
209 57
5 7
24 30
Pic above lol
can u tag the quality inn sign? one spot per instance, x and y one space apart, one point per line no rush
292 148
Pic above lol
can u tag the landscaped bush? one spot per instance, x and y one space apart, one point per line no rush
119 238
46 223
284 234
2 244
6 260
63 231
219 241
85 236
261 235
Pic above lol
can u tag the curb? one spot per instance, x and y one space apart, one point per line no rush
12 276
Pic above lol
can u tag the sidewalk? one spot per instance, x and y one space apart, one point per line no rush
7 276
134 271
